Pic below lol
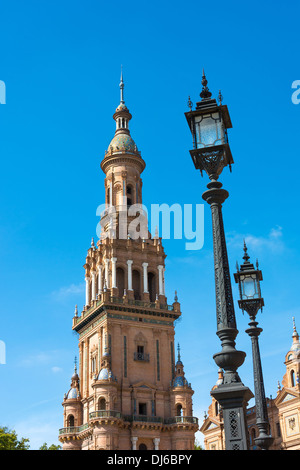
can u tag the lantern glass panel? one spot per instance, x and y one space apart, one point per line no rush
249 287
209 130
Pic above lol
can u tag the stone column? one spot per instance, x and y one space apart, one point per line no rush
145 276
113 273
87 291
129 273
156 443
99 279
106 273
160 280
134 441
94 285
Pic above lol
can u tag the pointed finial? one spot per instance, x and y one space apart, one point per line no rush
295 333
75 365
122 87
220 98
93 243
279 386
190 104
246 257
178 349
176 297
205 93
257 265
76 311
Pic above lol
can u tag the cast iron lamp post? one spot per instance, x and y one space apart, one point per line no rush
208 124
251 301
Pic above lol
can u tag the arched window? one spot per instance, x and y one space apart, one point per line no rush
129 195
70 421
151 286
142 447
136 284
216 408
101 404
120 281
178 410
292 378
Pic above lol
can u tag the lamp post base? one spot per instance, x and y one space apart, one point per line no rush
233 399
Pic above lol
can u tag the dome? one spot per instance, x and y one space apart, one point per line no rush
123 142
179 382
73 393
105 374
295 347
122 107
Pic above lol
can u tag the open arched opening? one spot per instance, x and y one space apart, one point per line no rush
178 410
292 378
129 195
121 281
70 421
101 404
136 284
142 447
151 286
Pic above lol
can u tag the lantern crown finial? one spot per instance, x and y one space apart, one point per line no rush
246 257
205 93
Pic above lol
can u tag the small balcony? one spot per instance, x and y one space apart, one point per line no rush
105 414
140 356
182 420
73 429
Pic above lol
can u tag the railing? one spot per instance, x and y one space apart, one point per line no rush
141 357
120 300
105 414
73 429
130 418
142 303
143 418
182 419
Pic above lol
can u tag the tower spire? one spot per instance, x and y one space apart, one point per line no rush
178 349
122 87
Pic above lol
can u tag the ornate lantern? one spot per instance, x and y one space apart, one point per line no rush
249 279
208 124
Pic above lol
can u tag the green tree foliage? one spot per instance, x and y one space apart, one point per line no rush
197 446
9 440
52 447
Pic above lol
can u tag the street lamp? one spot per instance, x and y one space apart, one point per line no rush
211 152
248 279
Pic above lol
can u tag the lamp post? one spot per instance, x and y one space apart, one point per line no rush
211 152
251 301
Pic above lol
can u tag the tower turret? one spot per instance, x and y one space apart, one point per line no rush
72 413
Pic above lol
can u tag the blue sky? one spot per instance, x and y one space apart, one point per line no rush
60 61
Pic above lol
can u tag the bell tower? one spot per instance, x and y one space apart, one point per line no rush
128 387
